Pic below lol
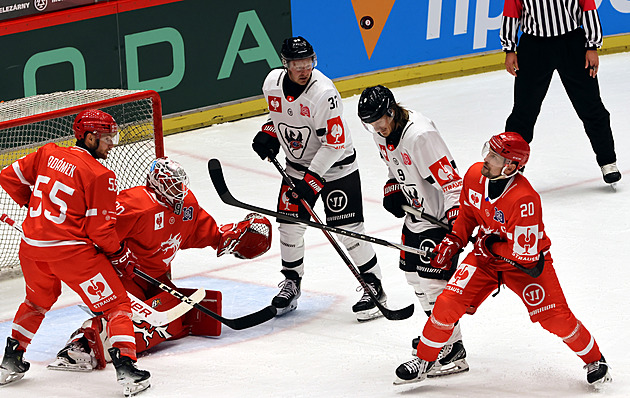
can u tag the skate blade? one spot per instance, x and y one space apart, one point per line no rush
602 383
7 376
63 365
292 306
398 381
452 368
372 313
132 389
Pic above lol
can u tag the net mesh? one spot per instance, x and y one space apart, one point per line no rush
139 143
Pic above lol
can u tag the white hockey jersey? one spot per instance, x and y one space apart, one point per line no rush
424 167
310 128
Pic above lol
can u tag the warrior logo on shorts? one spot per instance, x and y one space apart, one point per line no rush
337 200
533 294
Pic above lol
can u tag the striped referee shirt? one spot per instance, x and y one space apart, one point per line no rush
549 18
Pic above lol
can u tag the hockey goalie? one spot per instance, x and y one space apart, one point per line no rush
154 222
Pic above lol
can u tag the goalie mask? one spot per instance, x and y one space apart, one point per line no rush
247 239
169 181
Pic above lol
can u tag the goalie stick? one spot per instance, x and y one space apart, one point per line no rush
243 322
216 174
534 272
141 310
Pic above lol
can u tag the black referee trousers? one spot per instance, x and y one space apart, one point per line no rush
538 57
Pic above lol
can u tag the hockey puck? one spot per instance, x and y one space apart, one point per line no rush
366 22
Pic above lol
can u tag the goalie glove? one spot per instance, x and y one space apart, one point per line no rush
266 143
247 239
308 188
124 261
394 198
445 251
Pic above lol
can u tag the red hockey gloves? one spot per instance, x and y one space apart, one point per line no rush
445 251
308 188
249 238
266 143
451 215
123 260
483 246
394 198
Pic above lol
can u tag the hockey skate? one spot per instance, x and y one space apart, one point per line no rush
597 372
611 174
13 364
451 359
132 379
413 371
286 300
76 356
365 308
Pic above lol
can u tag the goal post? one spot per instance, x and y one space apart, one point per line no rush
26 124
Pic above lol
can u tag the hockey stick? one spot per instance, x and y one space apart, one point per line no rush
417 213
243 322
534 272
216 174
141 310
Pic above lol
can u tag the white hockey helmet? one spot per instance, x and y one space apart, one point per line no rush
169 181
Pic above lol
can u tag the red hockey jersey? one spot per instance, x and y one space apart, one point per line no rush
516 216
71 201
155 233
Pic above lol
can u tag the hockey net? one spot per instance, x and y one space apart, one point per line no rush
29 123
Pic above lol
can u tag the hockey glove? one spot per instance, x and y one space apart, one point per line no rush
445 251
308 188
266 143
247 239
451 215
394 198
483 246
124 261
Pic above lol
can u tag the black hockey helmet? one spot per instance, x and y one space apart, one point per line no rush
374 103
295 48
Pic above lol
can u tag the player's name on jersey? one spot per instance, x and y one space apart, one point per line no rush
61 166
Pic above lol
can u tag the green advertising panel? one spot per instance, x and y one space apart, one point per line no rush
195 53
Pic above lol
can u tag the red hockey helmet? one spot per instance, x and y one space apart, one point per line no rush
94 121
511 146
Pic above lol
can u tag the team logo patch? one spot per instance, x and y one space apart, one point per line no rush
460 278
499 216
286 205
526 240
533 294
159 221
383 151
97 290
304 111
336 134
406 158
337 200
474 198
295 138
188 214
443 172
275 104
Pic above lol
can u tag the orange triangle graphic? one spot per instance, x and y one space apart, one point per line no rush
371 17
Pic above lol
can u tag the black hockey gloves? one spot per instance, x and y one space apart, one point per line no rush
308 188
394 198
266 143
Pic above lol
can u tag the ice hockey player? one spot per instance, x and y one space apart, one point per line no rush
156 221
306 120
511 249
422 174
71 200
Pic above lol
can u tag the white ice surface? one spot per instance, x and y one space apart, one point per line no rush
320 350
